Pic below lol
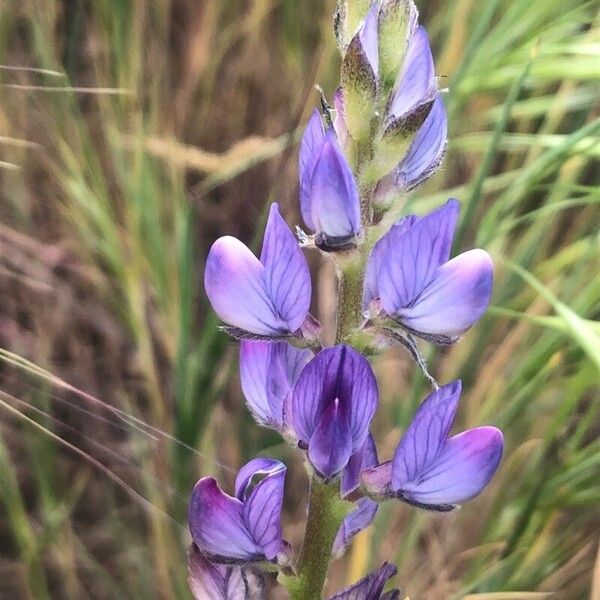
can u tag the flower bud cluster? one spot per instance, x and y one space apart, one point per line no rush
383 134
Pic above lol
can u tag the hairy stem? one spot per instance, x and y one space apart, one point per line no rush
325 515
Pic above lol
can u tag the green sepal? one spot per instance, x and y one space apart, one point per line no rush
359 85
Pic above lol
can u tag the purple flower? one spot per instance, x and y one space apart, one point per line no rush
329 199
415 87
245 528
371 587
364 513
268 372
333 403
427 150
209 581
431 470
418 287
268 297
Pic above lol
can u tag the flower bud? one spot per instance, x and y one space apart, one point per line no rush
397 23
360 76
409 104
348 17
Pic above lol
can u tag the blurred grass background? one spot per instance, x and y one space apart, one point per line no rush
132 134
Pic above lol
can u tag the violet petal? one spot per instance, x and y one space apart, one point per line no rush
413 255
465 466
416 83
287 278
426 435
217 524
427 149
334 200
268 372
330 445
457 296
310 149
233 273
370 587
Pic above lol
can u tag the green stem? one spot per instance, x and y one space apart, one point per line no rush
349 316
325 515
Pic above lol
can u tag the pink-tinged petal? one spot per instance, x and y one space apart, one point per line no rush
427 150
268 372
217 524
368 34
365 458
465 466
262 511
413 255
377 481
330 446
234 281
380 250
339 119
206 581
287 278
257 467
371 587
416 83
360 518
455 299
310 149
425 437
334 203
335 373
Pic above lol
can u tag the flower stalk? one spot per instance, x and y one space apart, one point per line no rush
325 514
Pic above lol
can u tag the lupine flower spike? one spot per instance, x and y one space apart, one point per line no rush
384 134
410 280
267 298
431 470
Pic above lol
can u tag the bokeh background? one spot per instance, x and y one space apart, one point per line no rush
132 134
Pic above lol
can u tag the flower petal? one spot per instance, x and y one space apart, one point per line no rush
370 587
330 446
310 149
256 467
206 581
268 372
339 119
217 525
465 466
334 203
416 83
455 299
244 584
427 150
335 373
413 254
368 37
287 278
262 510
234 280
425 437
362 516
365 458
381 248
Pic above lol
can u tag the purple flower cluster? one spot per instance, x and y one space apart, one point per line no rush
384 134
